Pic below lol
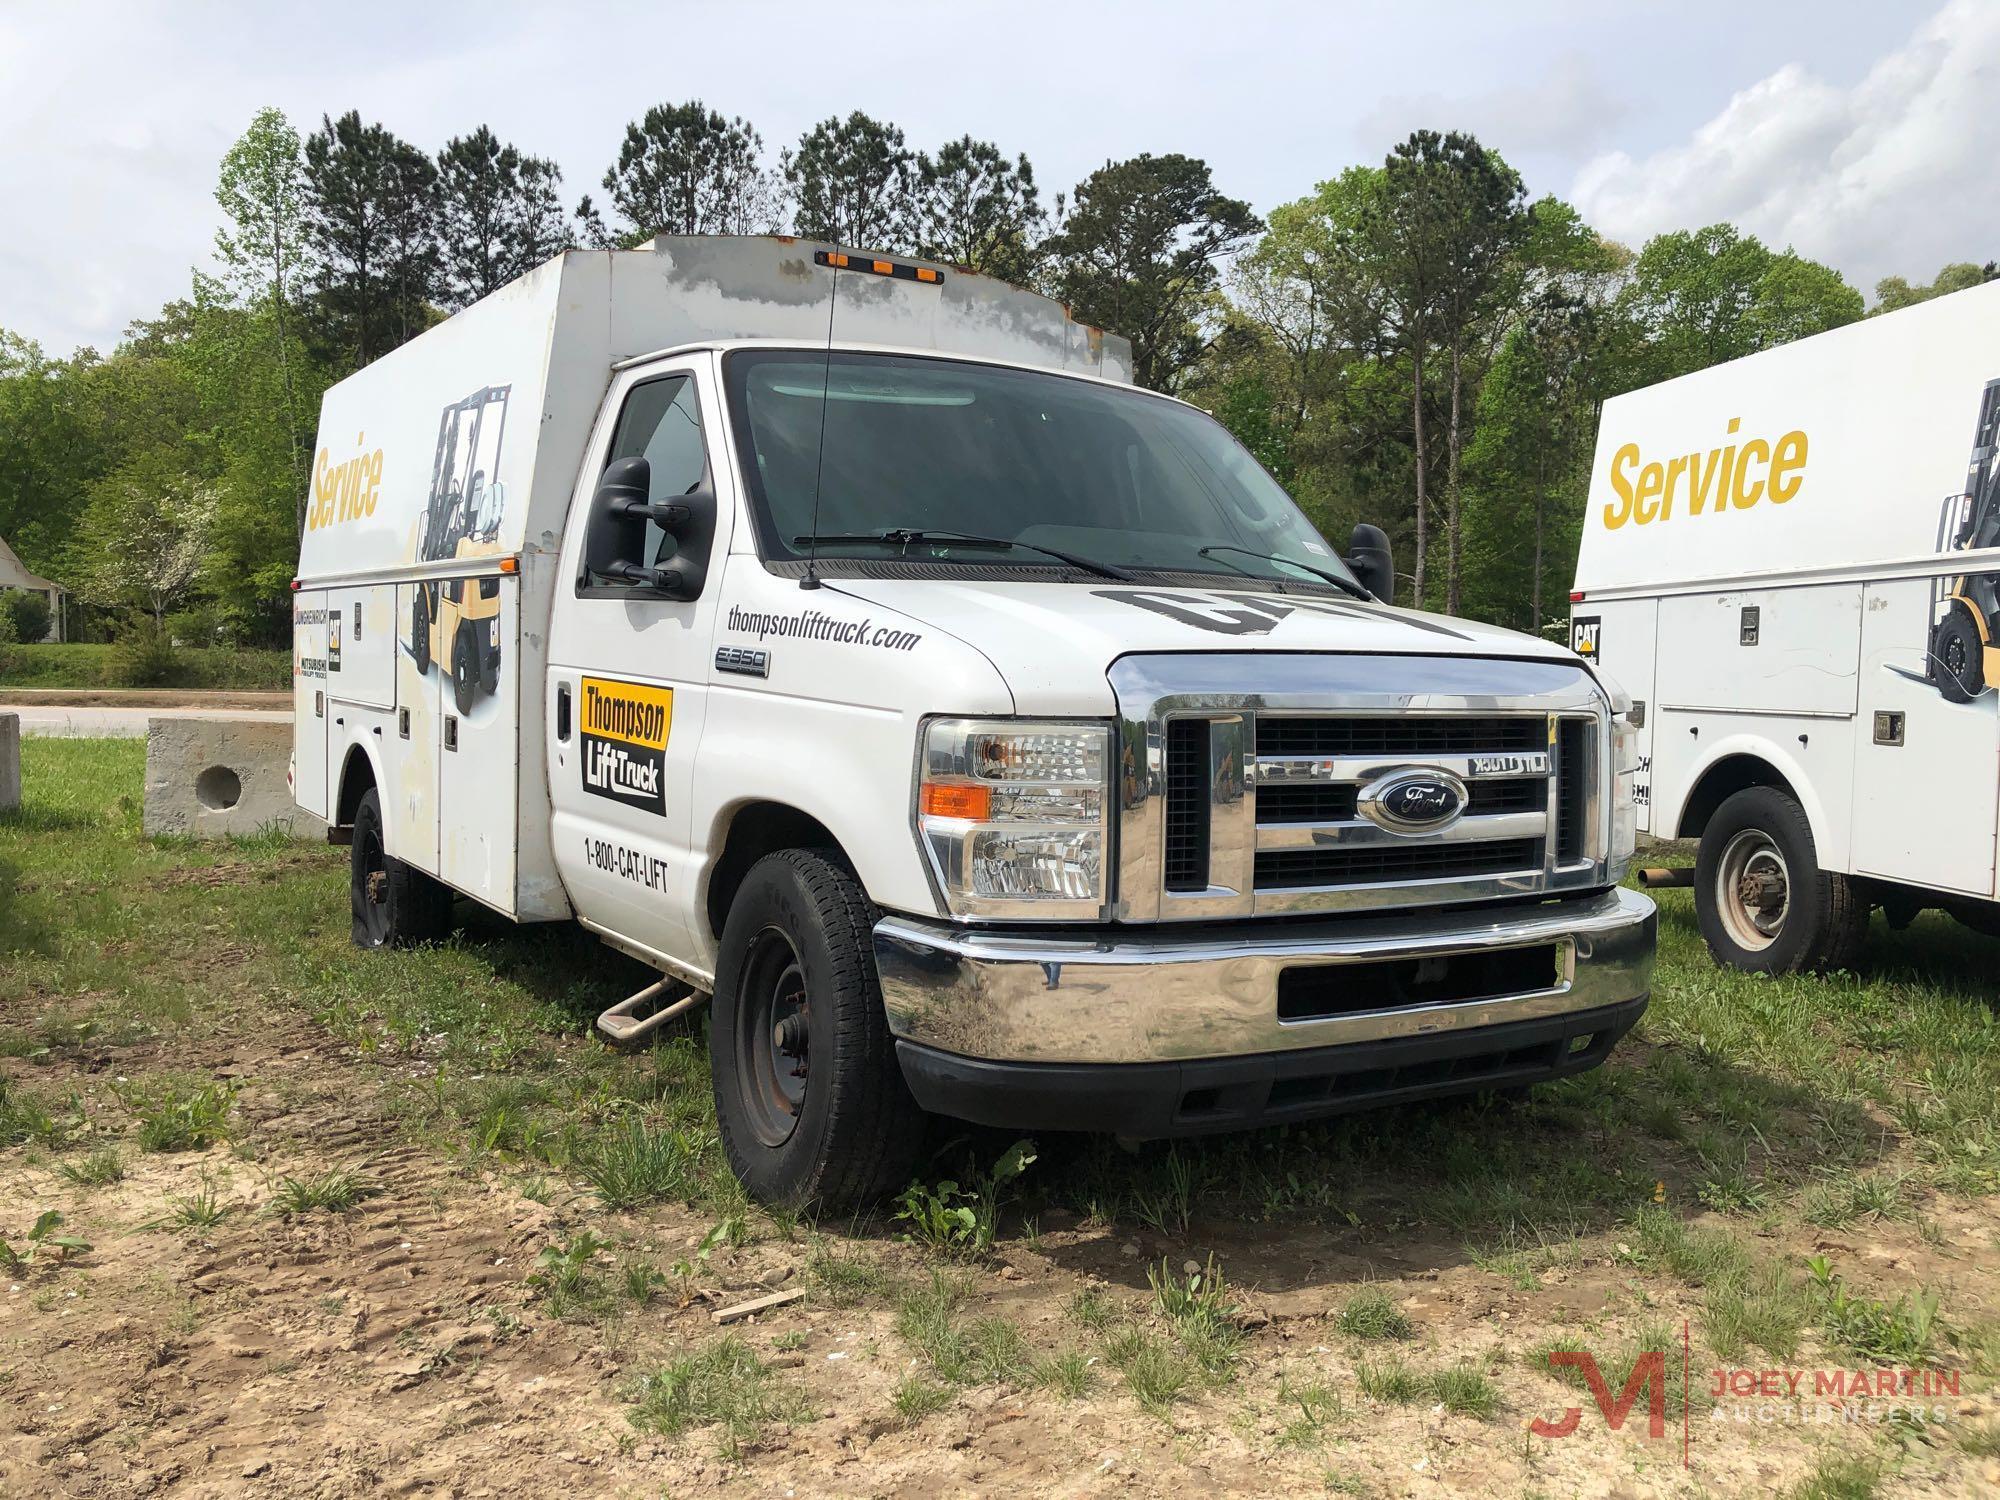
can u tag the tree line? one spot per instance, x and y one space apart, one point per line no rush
1419 343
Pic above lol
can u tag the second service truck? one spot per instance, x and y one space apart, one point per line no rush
848 639
1790 560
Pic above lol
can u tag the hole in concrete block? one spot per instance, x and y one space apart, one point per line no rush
218 789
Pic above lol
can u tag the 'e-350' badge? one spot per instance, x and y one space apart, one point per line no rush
624 728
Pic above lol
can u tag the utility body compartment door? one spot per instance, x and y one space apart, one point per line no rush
1924 808
309 788
476 690
1776 651
361 644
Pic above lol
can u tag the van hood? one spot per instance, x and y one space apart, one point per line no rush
1053 641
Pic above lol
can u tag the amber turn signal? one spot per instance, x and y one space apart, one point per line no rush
952 800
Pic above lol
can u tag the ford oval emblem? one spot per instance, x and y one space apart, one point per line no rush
1413 800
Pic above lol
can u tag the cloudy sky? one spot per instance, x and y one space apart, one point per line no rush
1862 132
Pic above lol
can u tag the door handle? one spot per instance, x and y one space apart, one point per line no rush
562 712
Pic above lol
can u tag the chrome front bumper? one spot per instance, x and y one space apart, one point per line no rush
1176 993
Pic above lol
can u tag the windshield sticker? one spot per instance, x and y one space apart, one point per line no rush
1255 614
624 727
814 625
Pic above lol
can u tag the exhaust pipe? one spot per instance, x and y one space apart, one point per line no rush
1661 880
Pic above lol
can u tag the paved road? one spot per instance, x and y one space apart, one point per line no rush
118 723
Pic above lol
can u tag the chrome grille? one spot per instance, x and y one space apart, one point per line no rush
1398 736
1250 801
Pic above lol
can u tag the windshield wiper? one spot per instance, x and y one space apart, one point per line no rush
905 536
1346 585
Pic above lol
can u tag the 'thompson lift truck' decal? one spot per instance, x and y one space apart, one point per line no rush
624 727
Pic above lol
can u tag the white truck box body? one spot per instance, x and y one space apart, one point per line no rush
1767 547
548 342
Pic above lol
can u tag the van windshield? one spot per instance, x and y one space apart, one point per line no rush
1112 477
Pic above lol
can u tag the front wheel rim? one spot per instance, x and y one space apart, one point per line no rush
1753 889
773 1037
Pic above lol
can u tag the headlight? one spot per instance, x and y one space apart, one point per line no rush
1624 773
1015 816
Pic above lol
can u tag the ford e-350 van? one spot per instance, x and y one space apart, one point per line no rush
985 736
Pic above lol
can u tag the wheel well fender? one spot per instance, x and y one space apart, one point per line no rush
745 833
1740 762
357 775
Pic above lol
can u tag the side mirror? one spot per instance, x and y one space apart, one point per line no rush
1369 559
615 540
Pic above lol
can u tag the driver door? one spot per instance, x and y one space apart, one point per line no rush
627 690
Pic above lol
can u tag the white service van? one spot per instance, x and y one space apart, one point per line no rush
1790 562
849 640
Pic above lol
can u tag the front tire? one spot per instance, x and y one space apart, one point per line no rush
393 904
809 1096
1763 902
1958 655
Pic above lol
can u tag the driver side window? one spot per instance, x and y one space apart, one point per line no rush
661 423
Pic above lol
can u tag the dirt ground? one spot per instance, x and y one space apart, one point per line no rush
210 1342
399 1347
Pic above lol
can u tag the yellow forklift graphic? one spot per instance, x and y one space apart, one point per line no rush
1964 660
455 622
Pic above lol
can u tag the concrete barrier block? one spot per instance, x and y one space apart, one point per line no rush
213 775
10 761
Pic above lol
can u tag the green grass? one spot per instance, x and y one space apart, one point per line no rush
916 1398
201 1209
1457 1388
98 1169
1308 1408
1369 1314
83 665
1198 1309
958 1349
1841 1476
332 1192
1156 1371
179 1112
637 1161
724 1385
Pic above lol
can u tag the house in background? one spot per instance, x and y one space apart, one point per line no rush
15 575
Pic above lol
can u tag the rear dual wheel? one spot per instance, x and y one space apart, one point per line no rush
1763 902
392 904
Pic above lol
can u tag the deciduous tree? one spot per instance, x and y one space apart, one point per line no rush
264 248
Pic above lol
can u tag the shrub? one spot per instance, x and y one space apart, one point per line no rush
145 657
24 616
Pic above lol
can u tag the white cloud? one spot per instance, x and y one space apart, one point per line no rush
1890 176
1571 106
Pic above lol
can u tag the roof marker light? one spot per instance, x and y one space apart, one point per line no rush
840 260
